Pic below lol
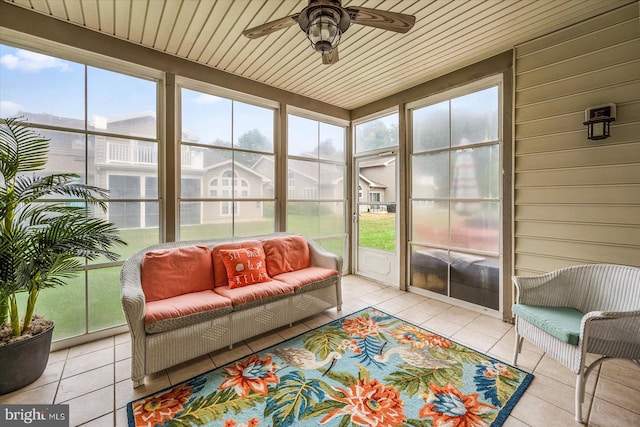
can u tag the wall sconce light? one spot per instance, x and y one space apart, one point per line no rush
598 119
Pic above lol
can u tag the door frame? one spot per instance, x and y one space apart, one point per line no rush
392 278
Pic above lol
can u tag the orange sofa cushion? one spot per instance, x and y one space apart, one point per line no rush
285 254
260 291
171 272
184 305
300 278
219 269
245 266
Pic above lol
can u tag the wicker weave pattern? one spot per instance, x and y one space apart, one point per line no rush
608 294
152 352
180 322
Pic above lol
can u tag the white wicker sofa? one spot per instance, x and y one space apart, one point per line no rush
170 324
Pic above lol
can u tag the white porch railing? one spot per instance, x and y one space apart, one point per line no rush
136 153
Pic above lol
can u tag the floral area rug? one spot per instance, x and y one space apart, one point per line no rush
365 369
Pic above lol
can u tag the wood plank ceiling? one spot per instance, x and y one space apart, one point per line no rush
373 63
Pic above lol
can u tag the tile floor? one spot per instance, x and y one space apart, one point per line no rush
94 379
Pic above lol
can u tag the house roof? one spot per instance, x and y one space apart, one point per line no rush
374 63
371 183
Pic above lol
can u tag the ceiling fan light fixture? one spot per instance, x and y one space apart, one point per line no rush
325 21
323 33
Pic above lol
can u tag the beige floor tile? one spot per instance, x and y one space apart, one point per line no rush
84 383
333 313
514 422
122 338
446 329
474 339
87 362
104 421
557 393
224 356
432 306
391 306
539 413
121 418
391 292
123 370
190 369
90 347
374 298
618 394
490 326
43 395
354 304
458 316
52 373
290 332
622 371
123 351
91 406
605 414
263 341
410 299
414 315
58 356
317 320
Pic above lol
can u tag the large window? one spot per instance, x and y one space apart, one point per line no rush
456 196
102 126
227 148
316 168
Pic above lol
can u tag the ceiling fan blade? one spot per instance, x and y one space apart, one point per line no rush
271 27
392 21
330 57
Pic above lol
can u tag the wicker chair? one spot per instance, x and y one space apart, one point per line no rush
578 310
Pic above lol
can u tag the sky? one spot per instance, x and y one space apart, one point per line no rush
36 83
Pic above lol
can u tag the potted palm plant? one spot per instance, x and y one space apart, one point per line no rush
44 240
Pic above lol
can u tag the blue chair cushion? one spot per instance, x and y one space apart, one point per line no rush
561 322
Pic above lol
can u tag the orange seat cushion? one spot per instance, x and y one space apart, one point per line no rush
245 266
219 269
300 278
285 254
171 272
184 305
258 292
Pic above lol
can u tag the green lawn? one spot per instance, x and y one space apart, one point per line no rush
377 230
67 305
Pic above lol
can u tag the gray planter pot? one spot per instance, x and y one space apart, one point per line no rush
23 362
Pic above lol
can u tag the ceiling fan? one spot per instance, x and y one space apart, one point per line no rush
324 22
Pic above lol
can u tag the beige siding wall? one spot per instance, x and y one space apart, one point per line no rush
576 200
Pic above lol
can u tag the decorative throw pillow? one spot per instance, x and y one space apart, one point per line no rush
168 273
245 266
286 253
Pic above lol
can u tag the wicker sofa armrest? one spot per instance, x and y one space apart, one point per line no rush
322 258
133 301
133 305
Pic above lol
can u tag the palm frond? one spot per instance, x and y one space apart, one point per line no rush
21 149
33 188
